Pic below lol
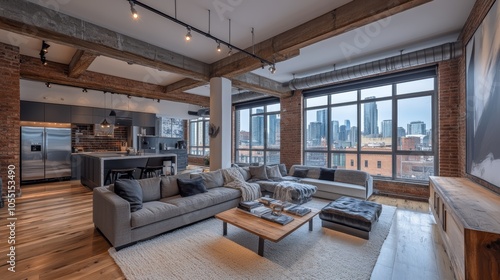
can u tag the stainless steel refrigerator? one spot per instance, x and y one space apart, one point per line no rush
45 153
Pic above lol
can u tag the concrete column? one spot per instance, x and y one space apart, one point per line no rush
220 118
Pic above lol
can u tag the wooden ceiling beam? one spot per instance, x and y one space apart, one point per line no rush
183 85
23 17
80 63
343 19
57 73
254 82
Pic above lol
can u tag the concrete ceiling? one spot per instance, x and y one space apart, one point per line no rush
430 24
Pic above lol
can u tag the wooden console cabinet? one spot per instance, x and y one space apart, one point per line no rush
468 217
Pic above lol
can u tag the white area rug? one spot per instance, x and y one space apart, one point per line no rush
200 251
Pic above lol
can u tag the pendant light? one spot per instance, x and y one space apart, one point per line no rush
112 113
105 122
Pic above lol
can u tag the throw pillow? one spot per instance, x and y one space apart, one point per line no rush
211 179
189 187
282 168
327 174
258 172
301 173
150 189
169 185
131 191
232 174
245 171
273 172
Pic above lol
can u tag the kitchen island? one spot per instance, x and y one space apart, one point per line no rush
95 166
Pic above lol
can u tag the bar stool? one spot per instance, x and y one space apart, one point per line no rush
154 167
115 174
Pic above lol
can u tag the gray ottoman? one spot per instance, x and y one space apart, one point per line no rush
350 215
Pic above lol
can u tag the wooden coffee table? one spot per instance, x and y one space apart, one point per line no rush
262 228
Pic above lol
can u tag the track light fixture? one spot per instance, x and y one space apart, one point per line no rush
158 101
43 51
84 90
190 28
230 52
188 34
135 15
272 69
47 84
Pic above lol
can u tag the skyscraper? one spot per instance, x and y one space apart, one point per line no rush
321 116
258 129
370 117
315 133
416 128
342 133
387 128
353 134
271 137
335 131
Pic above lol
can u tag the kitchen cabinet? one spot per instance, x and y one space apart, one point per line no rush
76 163
32 111
57 113
143 119
182 157
81 115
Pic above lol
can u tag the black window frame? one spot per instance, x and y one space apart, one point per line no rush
206 146
390 79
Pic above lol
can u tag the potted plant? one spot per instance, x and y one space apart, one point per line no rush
206 159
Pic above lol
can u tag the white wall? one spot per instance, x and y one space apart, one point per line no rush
38 92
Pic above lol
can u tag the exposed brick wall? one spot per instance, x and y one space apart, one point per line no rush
196 160
402 190
291 130
9 114
91 143
448 118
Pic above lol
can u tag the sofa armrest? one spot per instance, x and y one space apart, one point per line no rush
369 186
111 215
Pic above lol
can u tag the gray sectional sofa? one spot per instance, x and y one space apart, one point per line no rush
163 208
353 183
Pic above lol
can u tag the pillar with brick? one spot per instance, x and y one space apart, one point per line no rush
9 114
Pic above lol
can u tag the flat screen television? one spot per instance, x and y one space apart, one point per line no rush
483 100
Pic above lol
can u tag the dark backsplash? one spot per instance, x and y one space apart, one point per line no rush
82 136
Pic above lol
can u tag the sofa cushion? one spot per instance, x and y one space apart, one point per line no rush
327 174
190 187
212 179
231 174
152 212
169 185
340 188
273 172
355 177
282 168
300 172
258 172
200 201
131 191
150 189
245 172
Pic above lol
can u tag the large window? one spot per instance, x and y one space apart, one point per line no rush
383 126
257 134
199 143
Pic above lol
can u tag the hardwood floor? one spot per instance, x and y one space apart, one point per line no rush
56 239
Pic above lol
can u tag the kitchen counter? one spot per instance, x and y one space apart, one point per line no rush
95 166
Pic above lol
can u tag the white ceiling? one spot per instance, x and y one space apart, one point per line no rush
434 23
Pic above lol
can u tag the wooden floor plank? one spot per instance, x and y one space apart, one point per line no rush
56 238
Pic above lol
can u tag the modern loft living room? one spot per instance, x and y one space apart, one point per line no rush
403 92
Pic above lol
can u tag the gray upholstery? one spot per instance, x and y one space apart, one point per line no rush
352 212
212 179
111 213
150 190
353 183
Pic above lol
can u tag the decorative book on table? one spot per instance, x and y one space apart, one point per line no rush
250 204
281 219
266 200
297 210
256 210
